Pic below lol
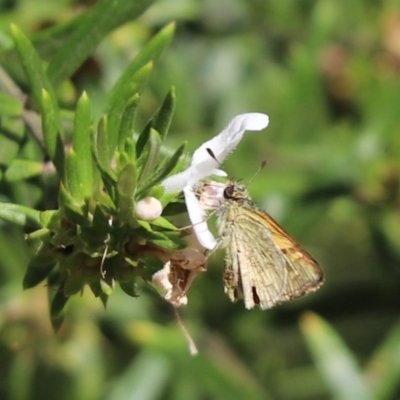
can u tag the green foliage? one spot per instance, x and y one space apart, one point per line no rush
95 232
84 113
338 365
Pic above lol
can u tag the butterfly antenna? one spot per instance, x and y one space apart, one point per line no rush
260 168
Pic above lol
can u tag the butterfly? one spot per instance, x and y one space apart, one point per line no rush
264 265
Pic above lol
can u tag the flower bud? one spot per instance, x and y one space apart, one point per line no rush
148 208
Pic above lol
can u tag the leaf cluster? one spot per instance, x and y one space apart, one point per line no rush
104 168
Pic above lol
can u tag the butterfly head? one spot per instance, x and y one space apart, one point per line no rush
234 191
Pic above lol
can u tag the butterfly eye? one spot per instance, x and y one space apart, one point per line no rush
228 192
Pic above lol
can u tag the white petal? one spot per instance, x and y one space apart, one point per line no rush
176 183
196 215
210 155
219 172
224 143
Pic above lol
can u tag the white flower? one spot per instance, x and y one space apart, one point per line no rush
205 162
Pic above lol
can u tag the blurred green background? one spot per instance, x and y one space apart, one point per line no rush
328 75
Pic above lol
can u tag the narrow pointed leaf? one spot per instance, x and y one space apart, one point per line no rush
73 177
23 169
151 52
72 209
36 273
126 186
74 283
106 288
101 150
10 144
164 169
44 95
130 149
82 145
159 122
173 240
162 119
134 85
49 218
51 132
122 161
334 360
57 308
383 369
9 106
149 157
126 130
42 263
33 67
163 223
20 215
98 22
130 288
132 384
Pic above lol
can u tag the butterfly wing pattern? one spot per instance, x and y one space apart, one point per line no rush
264 265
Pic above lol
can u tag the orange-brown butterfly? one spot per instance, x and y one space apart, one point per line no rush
264 265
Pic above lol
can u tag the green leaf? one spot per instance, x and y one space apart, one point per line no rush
92 28
134 85
9 106
122 161
75 282
148 159
383 369
36 272
171 240
159 122
33 67
162 119
134 385
49 218
130 149
126 186
150 53
106 288
20 215
163 223
23 169
73 177
10 143
44 95
72 209
130 288
334 360
101 151
127 130
163 170
57 307
82 145
172 208
42 263
51 132
95 288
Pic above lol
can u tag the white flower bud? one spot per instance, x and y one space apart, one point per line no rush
148 208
